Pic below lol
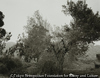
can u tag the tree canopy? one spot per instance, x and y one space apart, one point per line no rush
4 36
85 26
38 35
85 22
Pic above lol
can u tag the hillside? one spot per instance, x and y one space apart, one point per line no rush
84 62
92 51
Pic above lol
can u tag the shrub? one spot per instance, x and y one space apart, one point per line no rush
3 69
8 64
49 67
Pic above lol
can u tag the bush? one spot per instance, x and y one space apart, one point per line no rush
49 67
47 63
3 69
8 64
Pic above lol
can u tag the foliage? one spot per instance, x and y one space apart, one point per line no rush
47 63
85 22
49 67
1 19
38 36
8 64
84 28
2 30
59 51
4 36
73 40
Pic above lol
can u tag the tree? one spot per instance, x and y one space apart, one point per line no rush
84 27
38 36
1 19
85 22
4 36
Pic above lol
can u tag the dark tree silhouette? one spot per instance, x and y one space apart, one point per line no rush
2 32
3 35
1 19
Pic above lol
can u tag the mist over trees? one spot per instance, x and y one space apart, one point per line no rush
49 47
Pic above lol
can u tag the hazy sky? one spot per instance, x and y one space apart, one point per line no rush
17 11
